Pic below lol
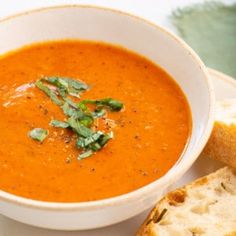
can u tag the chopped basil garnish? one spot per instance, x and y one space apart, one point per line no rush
80 117
51 93
99 113
59 124
70 111
38 134
87 120
68 86
84 142
79 128
112 104
85 154
93 143
105 138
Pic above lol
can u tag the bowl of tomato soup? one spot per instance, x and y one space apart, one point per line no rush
100 110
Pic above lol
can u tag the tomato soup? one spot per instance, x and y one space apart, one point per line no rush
149 133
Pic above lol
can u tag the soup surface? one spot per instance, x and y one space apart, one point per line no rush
150 132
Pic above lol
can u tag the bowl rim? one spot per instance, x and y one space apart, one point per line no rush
130 196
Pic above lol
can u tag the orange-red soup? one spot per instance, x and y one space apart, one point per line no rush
150 133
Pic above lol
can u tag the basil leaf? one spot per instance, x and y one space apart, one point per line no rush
70 102
85 154
59 124
38 134
57 81
87 101
95 146
81 105
68 86
98 113
76 84
85 118
79 128
112 104
49 92
84 142
99 142
60 84
105 138
68 111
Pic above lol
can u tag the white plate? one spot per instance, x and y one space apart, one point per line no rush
225 87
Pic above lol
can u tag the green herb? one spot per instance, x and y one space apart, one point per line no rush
81 105
223 185
68 86
105 138
79 128
59 124
51 93
98 113
85 154
70 102
112 104
93 143
158 217
87 120
63 87
38 134
70 111
80 117
78 85
84 142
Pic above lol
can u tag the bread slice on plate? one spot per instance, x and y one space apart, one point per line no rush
205 207
222 143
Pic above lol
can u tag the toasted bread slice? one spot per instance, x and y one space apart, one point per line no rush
205 207
222 143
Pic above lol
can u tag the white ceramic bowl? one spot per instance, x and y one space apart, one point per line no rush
152 41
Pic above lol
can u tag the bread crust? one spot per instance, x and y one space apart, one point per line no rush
146 228
177 198
222 142
221 145
173 198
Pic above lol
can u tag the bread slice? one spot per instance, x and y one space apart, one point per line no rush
205 207
222 143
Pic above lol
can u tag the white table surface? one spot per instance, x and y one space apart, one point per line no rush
156 11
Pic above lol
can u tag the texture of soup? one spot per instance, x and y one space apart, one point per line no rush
150 133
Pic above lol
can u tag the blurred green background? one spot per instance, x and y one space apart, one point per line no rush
210 29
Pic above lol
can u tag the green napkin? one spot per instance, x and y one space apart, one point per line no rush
210 29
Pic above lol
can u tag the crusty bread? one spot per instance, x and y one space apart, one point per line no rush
222 143
205 207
